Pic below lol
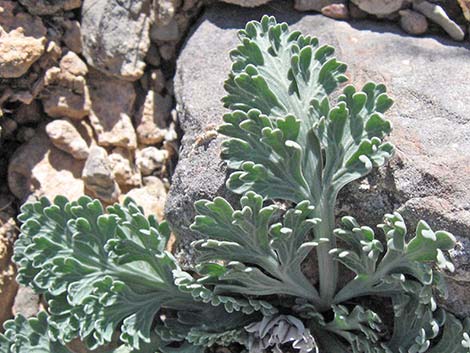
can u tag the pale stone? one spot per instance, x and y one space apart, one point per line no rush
22 40
72 63
66 137
437 14
380 7
124 169
18 53
151 159
151 197
26 302
337 11
66 93
39 168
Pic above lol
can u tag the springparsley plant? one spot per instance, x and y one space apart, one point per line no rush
108 279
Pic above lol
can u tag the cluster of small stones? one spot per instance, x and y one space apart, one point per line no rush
86 109
86 98
415 17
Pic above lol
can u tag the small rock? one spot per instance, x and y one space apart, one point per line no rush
413 22
41 169
26 302
337 11
168 32
18 52
151 159
98 176
125 172
151 197
105 25
247 3
72 64
437 14
164 11
152 118
65 136
112 103
314 5
379 7
66 93
465 5
50 7
72 36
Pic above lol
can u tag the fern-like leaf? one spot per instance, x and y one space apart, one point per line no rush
261 258
403 259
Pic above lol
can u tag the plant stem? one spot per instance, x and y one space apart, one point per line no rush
327 267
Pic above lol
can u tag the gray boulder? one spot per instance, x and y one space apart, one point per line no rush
429 178
115 36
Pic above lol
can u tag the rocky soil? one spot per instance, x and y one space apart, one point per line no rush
88 92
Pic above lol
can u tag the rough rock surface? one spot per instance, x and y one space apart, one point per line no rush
41 169
104 25
66 93
112 102
151 159
65 136
124 169
98 176
380 7
151 197
428 179
50 7
22 40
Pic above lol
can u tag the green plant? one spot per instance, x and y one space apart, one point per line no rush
108 279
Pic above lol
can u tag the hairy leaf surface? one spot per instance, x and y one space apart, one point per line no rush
261 258
285 139
406 266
